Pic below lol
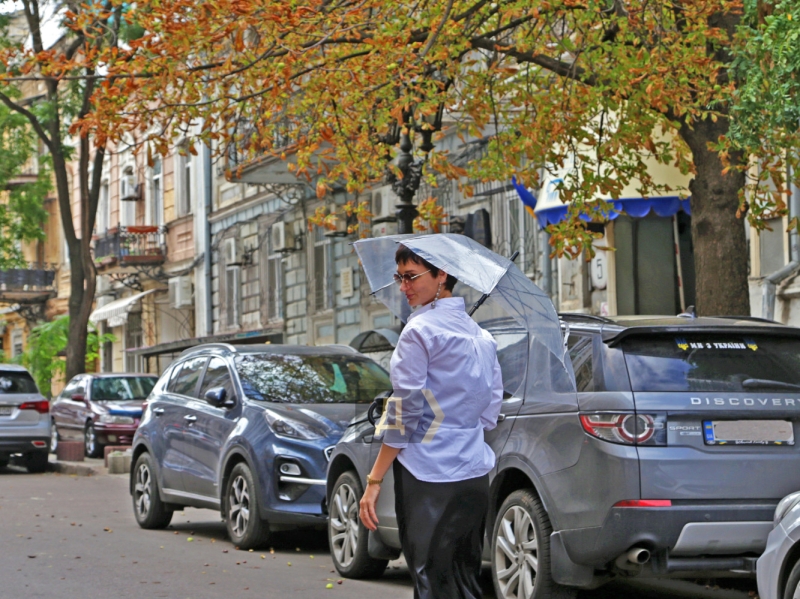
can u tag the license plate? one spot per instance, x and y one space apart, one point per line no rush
748 432
6 410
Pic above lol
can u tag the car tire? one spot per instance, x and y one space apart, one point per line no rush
36 462
521 551
245 527
792 583
91 447
347 535
148 508
53 437
3 463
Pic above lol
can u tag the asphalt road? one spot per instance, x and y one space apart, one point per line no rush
66 536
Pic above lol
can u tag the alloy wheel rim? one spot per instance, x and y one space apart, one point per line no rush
516 554
239 506
90 439
343 524
143 490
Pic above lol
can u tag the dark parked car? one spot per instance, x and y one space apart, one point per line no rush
247 430
668 461
100 409
24 419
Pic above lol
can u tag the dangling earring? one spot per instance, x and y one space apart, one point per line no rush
438 291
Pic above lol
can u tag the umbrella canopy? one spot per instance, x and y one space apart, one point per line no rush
480 271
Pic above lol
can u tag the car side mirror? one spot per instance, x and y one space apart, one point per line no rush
218 397
376 407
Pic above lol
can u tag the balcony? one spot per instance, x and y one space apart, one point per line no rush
131 246
28 285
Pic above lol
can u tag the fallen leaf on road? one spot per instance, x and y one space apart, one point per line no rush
329 586
32 556
107 529
288 563
190 539
224 551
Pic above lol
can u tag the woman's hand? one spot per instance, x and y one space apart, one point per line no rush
366 508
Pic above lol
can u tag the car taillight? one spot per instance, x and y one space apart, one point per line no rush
627 428
43 407
644 503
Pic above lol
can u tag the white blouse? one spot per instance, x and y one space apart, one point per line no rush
449 387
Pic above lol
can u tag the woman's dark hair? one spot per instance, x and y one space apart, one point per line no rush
404 255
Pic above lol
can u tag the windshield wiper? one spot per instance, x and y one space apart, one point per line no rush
768 384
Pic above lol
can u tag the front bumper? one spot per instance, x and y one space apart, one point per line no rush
689 529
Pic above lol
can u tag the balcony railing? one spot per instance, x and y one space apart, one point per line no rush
128 246
27 283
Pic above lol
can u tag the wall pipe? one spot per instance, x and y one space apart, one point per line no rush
209 186
771 282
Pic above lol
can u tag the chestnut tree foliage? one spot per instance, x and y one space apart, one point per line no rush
590 89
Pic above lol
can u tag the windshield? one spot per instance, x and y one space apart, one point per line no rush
122 388
16 382
311 379
738 363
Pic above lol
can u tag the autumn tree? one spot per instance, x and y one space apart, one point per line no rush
588 88
50 60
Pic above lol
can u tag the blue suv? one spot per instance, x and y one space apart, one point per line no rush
247 430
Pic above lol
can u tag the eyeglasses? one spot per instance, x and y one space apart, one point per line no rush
407 278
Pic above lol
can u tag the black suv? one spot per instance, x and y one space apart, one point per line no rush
668 461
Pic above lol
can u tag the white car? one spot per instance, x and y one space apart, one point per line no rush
24 419
778 568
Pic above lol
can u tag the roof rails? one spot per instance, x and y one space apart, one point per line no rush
225 346
753 318
581 316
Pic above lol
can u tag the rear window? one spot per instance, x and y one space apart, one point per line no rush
737 363
311 379
122 388
16 382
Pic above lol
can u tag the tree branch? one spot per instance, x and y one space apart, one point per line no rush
37 126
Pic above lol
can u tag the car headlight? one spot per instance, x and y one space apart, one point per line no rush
109 419
289 427
785 504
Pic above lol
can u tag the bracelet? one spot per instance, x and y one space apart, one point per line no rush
373 481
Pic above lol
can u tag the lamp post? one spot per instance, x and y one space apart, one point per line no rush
406 187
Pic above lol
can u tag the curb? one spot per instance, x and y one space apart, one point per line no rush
71 468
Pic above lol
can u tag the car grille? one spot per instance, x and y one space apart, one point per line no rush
328 451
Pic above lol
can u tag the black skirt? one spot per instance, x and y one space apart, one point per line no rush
441 532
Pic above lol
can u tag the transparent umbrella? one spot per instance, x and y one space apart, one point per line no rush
480 271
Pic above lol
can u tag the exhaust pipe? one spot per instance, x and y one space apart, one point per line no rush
638 555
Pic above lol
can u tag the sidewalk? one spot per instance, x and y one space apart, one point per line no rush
89 467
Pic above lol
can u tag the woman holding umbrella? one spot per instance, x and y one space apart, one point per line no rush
449 387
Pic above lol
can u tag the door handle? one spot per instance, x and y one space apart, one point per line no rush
190 418
158 411
501 417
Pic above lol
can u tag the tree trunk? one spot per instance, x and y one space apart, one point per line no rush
720 245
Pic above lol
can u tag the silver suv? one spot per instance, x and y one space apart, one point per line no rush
24 419
668 461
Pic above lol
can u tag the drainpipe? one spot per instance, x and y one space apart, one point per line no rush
768 291
547 264
209 186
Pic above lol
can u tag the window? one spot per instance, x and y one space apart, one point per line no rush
184 168
16 382
321 268
16 343
274 267
233 295
122 388
127 189
310 379
134 338
186 381
720 362
217 375
580 353
157 193
103 219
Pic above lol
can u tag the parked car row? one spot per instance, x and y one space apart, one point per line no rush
671 460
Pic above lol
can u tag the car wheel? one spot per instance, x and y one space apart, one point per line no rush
3 463
347 535
92 448
245 528
148 509
53 437
792 583
521 551
36 462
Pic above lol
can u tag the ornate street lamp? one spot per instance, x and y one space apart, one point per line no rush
407 186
